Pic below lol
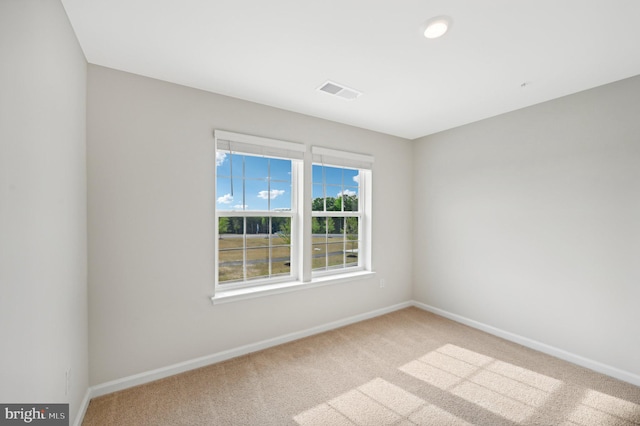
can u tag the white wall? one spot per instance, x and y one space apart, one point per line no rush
530 222
151 210
43 268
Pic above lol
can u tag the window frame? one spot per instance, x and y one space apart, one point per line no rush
343 214
301 214
364 164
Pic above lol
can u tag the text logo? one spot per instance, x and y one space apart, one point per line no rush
34 414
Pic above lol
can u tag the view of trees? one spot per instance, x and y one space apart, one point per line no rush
282 225
255 225
335 225
335 204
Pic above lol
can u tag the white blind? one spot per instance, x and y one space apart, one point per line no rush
255 145
341 158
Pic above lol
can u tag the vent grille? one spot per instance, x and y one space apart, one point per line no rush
339 90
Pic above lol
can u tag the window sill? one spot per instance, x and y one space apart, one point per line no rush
228 296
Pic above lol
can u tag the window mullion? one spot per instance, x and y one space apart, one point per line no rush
269 235
344 240
304 192
244 249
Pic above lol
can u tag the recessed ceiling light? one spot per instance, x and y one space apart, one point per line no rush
436 27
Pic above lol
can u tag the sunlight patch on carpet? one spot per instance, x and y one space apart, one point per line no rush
605 410
509 391
377 402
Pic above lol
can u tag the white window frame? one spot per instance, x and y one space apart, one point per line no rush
252 145
363 164
301 275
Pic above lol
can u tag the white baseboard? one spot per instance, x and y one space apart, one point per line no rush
599 367
83 408
160 373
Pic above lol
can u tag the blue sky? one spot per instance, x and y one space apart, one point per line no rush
267 182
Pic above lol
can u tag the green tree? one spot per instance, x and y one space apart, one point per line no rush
337 204
333 204
350 203
285 231
317 225
223 226
330 225
351 224
237 225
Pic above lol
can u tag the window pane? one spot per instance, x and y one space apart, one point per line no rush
318 198
280 170
319 255
259 183
280 198
230 272
334 226
318 243
257 262
236 225
261 249
222 164
237 161
351 228
335 253
256 167
333 176
257 231
351 177
229 197
333 202
282 227
317 226
232 254
257 193
281 253
333 190
335 241
230 249
350 199
352 253
352 241
340 187
317 174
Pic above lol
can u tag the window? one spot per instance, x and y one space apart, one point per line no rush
336 218
266 235
341 211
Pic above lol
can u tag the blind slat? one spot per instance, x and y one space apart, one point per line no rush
254 145
341 158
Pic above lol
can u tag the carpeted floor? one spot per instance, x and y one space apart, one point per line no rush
404 368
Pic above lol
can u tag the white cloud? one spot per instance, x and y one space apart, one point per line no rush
225 199
347 192
273 194
220 157
356 178
241 206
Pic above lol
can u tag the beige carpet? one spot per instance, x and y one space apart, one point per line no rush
405 368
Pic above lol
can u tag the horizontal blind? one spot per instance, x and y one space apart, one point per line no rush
335 157
255 145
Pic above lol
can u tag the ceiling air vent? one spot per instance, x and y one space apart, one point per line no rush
339 90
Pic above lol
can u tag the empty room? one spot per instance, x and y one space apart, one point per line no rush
320 213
